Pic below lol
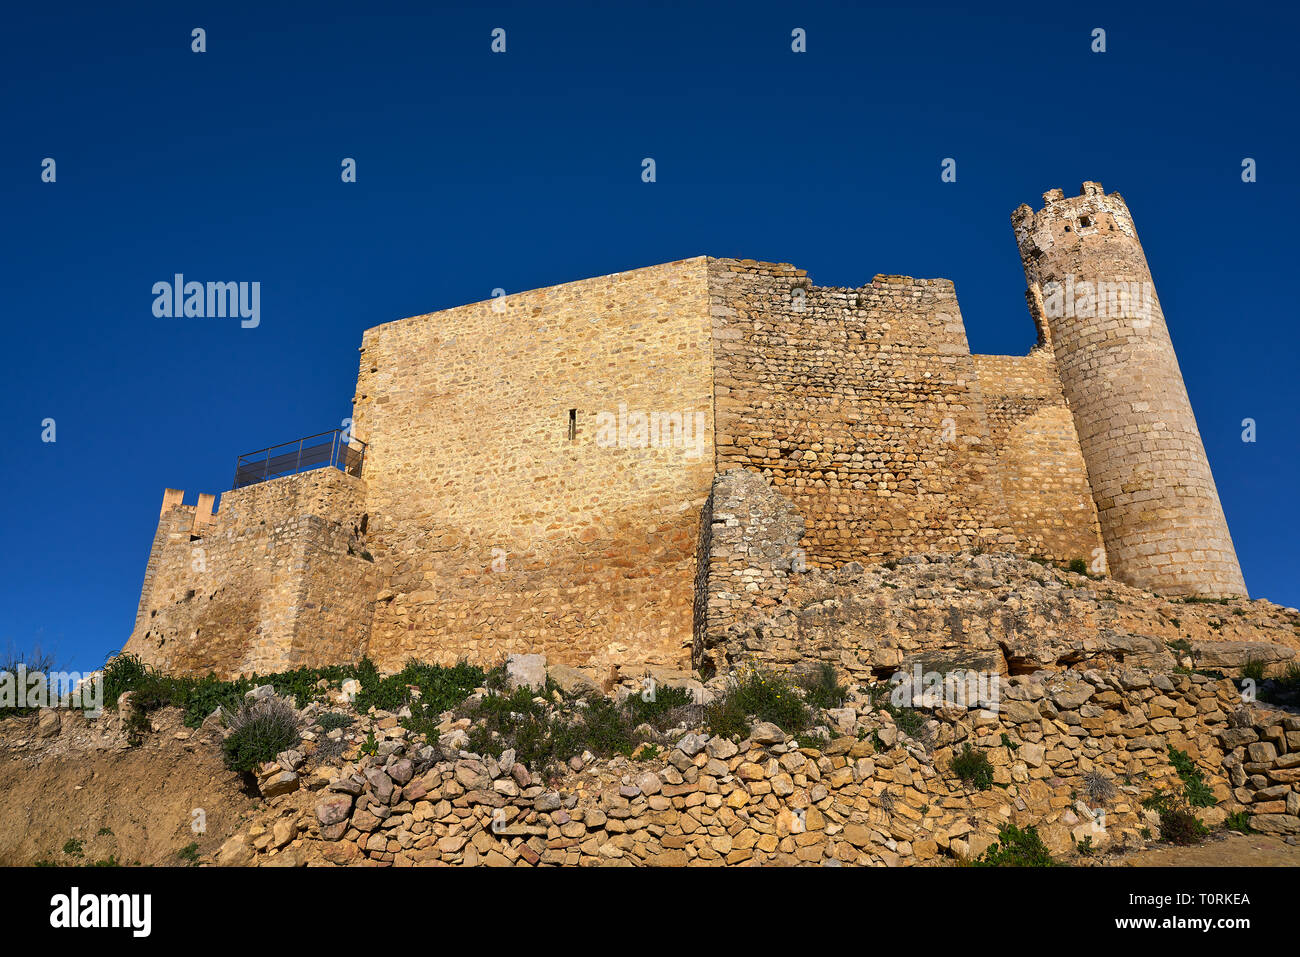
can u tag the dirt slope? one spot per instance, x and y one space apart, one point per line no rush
70 778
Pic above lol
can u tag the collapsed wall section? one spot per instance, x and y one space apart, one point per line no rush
536 467
753 535
277 579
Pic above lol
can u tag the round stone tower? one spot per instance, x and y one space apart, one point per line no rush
1094 303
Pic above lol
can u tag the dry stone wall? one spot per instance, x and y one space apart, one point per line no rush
1073 755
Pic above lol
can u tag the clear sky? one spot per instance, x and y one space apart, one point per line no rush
478 171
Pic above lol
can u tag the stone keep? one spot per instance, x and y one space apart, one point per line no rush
1091 293
555 472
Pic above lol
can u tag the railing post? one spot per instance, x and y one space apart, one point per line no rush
298 467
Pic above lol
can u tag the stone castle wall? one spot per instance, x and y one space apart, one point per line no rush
539 474
1049 506
861 405
275 580
498 533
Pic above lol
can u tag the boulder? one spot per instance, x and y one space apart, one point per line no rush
526 671
1237 654
235 853
334 810
764 732
573 681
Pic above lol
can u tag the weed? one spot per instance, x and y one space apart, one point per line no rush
261 729
974 768
1016 848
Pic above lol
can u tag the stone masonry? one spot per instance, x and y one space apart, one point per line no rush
540 468
1091 293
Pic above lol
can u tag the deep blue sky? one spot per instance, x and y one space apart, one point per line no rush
478 171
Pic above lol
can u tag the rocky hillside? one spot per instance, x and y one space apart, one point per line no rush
1081 719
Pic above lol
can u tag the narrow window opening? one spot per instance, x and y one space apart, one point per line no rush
573 424
1085 222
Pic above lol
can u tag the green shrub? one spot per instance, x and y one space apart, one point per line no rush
1239 821
725 717
1078 566
260 730
1180 826
523 720
1253 669
974 768
822 688
440 688
1016 848
762 695
190 853
137 726
1156 800
1195 791
332 720
72 847
664 710
1198 793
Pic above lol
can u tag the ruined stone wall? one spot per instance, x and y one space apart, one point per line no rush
753 551
276 579
995 613
496 531
1036 453
861 405
1091 292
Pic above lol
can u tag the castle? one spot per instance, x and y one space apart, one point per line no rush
547 472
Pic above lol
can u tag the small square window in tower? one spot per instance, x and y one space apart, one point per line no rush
573 425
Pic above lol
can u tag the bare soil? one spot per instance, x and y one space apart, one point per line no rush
130 805
1221 849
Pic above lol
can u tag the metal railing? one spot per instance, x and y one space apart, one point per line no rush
335 449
